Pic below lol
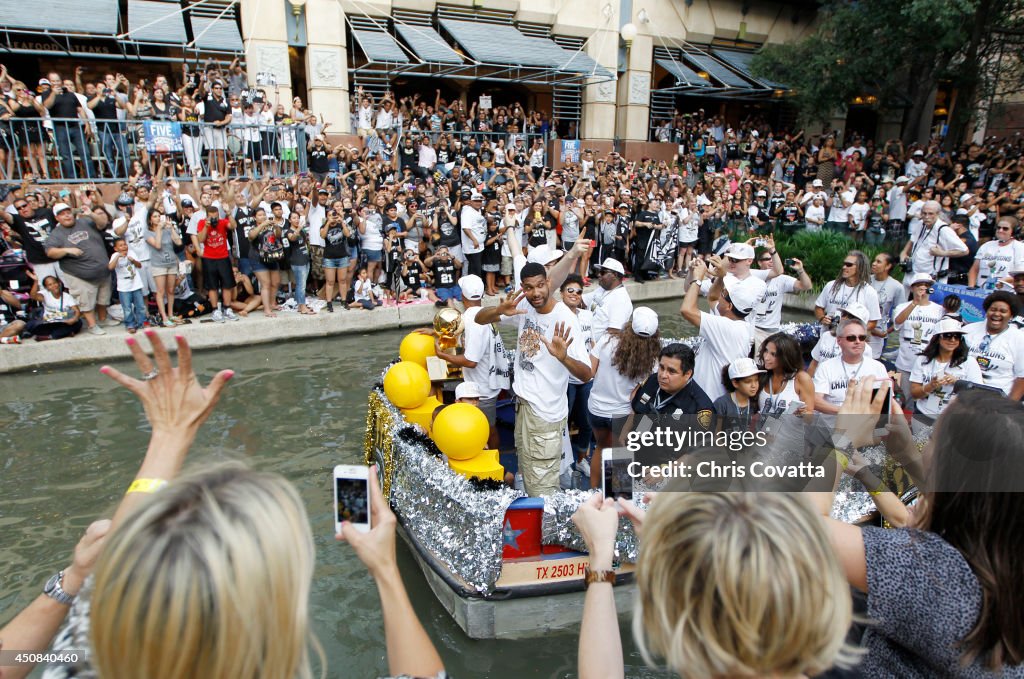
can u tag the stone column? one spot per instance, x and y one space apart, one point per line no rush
634 92
265 34
326 64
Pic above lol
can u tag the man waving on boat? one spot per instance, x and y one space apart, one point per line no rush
549 349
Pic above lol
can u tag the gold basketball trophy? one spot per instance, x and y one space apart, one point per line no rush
448 328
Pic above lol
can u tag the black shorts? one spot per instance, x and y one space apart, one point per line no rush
217 274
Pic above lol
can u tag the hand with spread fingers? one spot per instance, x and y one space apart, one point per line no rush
558 345
172 397
509 306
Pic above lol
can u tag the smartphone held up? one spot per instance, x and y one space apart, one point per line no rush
352 496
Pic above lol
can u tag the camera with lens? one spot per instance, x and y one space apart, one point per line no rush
907 266
790 262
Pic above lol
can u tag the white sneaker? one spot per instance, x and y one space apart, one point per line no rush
109 323
97 330
583 467
218 317
230 315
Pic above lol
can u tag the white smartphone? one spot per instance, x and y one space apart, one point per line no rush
352 496
616 482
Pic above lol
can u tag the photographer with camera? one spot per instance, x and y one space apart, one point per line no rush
444 273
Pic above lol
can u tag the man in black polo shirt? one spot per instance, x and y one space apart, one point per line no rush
217 116
672 390
67 114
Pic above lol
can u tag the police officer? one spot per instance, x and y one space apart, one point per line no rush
672 390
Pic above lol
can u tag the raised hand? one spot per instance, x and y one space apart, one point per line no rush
509 306
172 397
598 522
558 345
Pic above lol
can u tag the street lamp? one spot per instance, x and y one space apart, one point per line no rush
628 32
297 6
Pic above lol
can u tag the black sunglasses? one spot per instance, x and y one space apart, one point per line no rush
846 264
951 335
856 338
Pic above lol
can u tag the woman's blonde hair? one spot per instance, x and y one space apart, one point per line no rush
209 578
740 584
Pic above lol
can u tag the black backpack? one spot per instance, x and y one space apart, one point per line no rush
270 246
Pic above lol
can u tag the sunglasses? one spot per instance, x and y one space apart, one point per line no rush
951 336
856 338
21 207
574 291
849 264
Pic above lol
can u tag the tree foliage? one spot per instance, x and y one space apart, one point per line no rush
897 51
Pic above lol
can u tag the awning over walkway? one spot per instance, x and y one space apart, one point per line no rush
741 62
61 17
428 44
717 70
379 46
156 21
495 43
684 75
220 35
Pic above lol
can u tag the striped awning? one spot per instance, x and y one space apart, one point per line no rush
61 17
216 34
380 46
683 74
428 44
156 21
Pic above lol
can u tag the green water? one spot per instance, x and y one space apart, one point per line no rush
71 441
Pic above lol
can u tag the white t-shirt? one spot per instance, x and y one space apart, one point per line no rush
833 376
364 117
891 294
586 321
916 331
859 215
55 309
482 344
1002 361
611 391
540 379
315 216
135 234
725 340
611 308
814 215
839 210
897 199
128 277
943 236
755 283
937 401
997 261
371 238
768 312
471 218
828 347
845 295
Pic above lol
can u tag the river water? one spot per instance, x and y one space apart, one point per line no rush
71 441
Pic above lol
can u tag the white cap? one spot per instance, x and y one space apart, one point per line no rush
60 207
510 207
857 310
918 152
476 195
467 390
902 179
740 251
743 367
472 286
645 320
743 297
543 255
948 324
921 277
817 182
966 197
625 192
762 193
754 133
613 264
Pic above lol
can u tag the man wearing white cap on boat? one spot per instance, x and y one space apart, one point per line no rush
483 359
727 334
549 349
734 268
610 303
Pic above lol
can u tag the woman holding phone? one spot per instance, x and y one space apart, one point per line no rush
943 363
161 239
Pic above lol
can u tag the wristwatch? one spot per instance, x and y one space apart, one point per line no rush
53 589
590 577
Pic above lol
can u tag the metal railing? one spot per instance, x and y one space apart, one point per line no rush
61 151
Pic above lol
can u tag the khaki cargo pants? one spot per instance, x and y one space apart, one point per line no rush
539 446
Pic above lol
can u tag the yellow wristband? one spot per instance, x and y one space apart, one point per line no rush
878 491
844 461
146 485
